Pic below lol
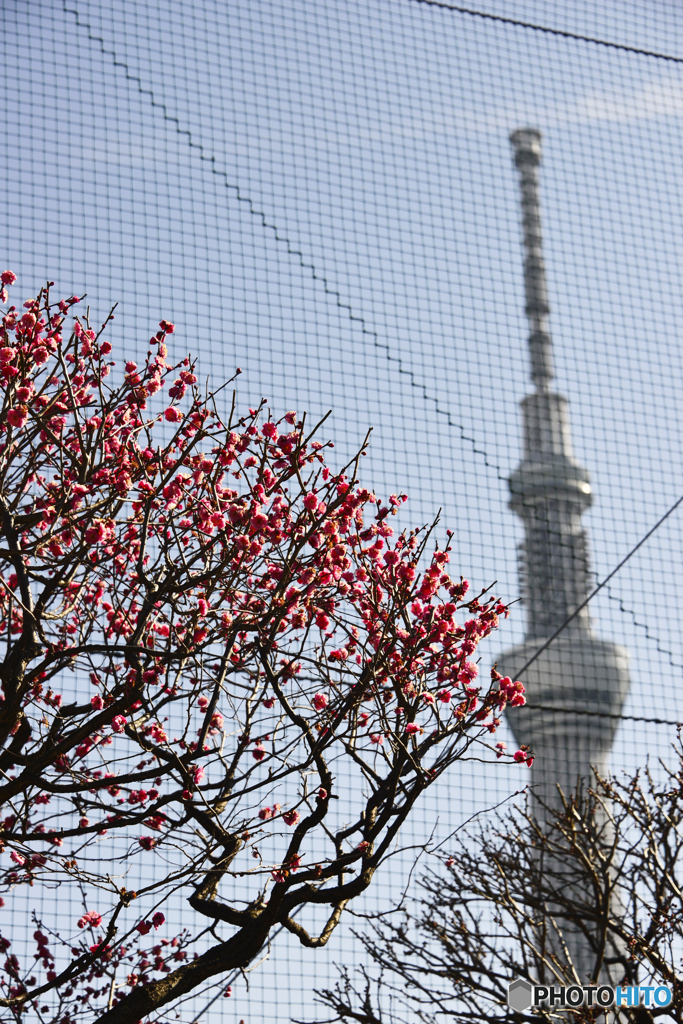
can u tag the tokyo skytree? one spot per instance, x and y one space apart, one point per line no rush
550 490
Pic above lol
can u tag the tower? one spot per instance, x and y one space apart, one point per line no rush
550 491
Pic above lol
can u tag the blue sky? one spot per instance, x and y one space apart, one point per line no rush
322 193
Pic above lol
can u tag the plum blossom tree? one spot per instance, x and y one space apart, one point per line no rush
215 651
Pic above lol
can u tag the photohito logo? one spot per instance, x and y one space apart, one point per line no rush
523 994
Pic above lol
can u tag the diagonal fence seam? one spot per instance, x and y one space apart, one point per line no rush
282 239
652 637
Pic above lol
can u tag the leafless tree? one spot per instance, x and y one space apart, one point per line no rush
605 862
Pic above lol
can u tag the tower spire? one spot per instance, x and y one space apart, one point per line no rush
527 146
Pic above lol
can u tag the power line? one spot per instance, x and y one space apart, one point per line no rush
599 587
601 714
550 31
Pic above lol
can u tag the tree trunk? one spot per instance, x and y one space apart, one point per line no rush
238 951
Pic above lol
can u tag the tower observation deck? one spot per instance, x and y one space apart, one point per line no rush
550 491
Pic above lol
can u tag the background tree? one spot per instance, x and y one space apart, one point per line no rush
605 861
224 679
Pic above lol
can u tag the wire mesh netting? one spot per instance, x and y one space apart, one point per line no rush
324 195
